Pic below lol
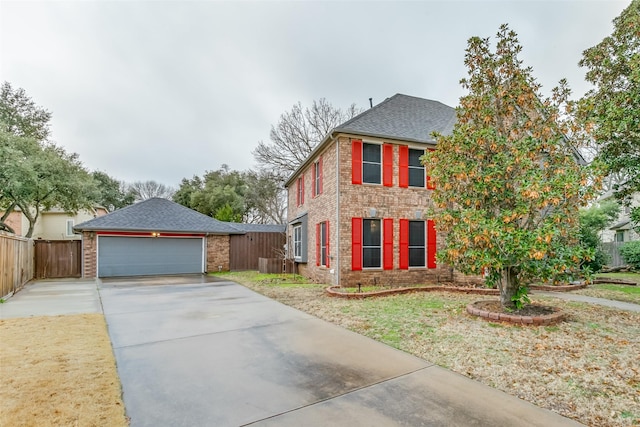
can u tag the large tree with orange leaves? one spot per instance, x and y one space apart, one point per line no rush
508 181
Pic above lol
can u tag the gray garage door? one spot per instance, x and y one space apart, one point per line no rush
140 256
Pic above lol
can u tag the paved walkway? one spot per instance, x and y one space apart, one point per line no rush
53 297
198 354
621 305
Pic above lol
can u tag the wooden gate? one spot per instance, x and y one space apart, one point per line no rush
245 249
58 258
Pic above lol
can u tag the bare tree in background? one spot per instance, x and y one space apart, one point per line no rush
297 133
149 189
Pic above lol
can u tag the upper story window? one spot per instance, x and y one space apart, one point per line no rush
69 227
317 177
619 236
416 168
412 171
371 163
300 191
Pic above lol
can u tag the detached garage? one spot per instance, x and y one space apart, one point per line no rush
154 237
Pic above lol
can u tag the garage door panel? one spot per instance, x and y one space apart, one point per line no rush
136 256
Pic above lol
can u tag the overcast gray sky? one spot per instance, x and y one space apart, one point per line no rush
163 90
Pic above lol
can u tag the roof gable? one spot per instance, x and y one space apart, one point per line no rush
403 117
160 215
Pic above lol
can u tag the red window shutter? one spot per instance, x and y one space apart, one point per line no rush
298 192
404 244
318 244
387 226
431 244
328 237
313 180
404 166
320 175
356 244
430 185
356 161
387 165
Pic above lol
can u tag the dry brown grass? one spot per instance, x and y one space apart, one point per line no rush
585 368
58 371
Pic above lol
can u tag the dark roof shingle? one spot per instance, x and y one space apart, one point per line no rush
403 117
160 215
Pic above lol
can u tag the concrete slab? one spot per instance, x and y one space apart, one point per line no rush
219 354
53 298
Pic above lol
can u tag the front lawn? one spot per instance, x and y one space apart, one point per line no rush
584 368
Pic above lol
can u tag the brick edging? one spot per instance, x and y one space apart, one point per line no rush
547 319
333 290
615 282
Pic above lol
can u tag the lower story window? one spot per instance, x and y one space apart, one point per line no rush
297 242
417 240
371 243
323 244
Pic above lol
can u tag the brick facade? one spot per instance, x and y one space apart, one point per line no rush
89 254
341 201
218 253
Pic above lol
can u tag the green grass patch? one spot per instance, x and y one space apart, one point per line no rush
625 289
268 280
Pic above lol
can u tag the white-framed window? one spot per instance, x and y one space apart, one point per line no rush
297 242
69 230
371 243
371 163
620 236
323 243
417 244
416 168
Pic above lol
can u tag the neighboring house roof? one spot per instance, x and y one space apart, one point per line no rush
401 117
159 215
623 225
258 228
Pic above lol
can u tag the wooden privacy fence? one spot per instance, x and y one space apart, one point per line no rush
613 250
16 263
245 249
270 265
58 258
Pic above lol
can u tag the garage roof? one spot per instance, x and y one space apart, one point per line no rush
159 215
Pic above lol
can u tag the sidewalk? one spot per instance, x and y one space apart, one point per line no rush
621 305
53 298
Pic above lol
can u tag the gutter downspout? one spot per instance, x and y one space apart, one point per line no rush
338 225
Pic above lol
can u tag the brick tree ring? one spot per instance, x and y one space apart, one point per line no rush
533 314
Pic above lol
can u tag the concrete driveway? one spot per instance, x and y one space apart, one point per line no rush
195 352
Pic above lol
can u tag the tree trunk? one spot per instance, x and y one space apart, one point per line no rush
508 286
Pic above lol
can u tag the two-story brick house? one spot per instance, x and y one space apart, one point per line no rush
357 206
